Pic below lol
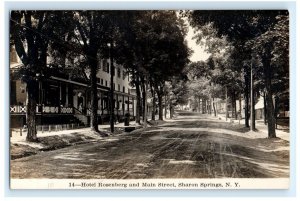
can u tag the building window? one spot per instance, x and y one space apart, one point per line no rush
119 88
119 73
105 65
99 65
106 83
124 75
123 89
101 81
118 105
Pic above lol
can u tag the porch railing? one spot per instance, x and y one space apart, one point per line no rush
22 131
44 109
21 109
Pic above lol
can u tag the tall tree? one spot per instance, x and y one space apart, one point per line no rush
89 28
97 32
241 27
156 50
31 32
169 53
272 49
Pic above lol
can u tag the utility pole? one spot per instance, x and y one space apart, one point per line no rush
112 72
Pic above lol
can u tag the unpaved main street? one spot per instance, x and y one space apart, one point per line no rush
191 146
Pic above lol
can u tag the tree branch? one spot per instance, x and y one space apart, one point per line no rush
82 35
16 31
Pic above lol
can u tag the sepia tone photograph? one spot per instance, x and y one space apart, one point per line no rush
162 98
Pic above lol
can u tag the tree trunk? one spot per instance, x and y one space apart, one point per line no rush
142 112
153 103
170 107
265 109
275 110
32 88
160 106
171 110
252 103
32 50
145 102
166 105
197 100
232 105
226 103
211 109
270 106
270 114
240 106
197 105
214 107
143 97
234 101
138 101
202 106
246 91
94 96
207 106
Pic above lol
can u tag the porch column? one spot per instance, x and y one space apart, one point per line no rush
123 105
100 98
128 103
40 92
117 102
67 95
60 94
102 103
132 106
85 102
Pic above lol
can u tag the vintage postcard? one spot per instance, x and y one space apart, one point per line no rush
149 99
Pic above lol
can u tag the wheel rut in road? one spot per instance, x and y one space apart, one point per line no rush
185 148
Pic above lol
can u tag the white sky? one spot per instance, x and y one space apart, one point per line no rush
199 53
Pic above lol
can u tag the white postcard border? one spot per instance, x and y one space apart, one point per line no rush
231 183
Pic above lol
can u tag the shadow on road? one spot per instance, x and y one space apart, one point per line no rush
209 124
183 148
197 120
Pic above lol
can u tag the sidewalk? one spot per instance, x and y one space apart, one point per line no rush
262 129
118 125
17 138
52 140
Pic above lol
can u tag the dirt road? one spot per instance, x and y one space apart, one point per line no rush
191 146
